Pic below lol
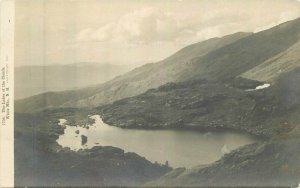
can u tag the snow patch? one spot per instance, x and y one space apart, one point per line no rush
260 87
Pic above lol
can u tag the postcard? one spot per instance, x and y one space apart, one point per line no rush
150 93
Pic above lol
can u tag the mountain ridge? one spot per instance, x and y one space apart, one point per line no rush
87 96
224 60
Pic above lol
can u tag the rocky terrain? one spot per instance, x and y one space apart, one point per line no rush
208 105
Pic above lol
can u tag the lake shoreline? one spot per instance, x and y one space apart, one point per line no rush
180 147
201 129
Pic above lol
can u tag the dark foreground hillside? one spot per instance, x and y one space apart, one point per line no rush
40 161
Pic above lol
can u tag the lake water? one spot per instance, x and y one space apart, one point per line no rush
181 148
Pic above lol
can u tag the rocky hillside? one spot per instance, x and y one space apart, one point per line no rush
201 104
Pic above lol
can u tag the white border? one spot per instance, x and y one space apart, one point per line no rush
7 15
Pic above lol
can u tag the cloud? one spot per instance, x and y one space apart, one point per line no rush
152 25
146 25
152 33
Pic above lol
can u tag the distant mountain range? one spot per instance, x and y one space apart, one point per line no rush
33 80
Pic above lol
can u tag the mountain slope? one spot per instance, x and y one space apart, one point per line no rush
224 60
275 66
32 80
134 82
245 54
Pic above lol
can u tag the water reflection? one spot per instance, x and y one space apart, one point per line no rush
178 147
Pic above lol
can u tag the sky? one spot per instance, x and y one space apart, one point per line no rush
133 32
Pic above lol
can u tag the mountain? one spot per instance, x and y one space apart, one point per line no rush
219 59
33 80
271 113
134 82
239 57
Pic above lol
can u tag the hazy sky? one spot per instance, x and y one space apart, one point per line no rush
133 31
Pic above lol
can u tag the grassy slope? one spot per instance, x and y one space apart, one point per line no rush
275 66
245 54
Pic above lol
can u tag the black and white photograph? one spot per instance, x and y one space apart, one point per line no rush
152 93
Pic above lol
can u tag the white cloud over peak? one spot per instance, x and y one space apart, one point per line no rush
153 25
152 30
